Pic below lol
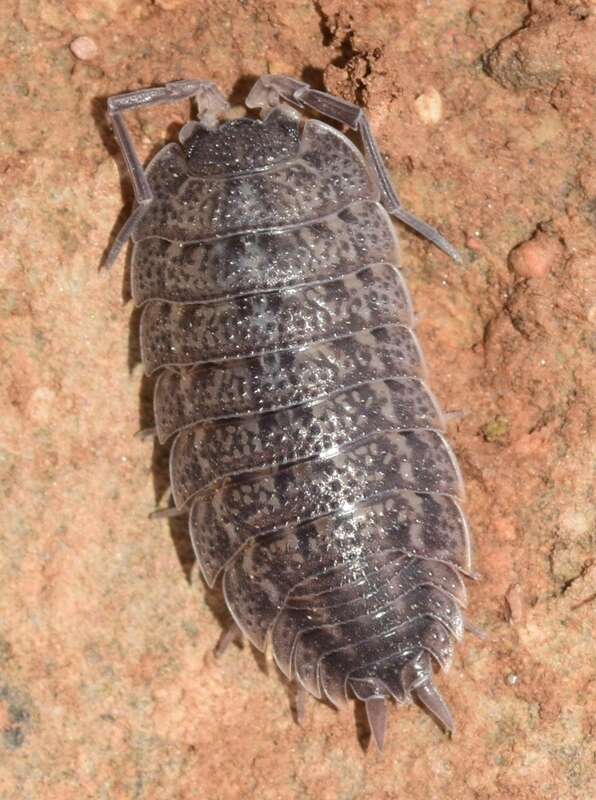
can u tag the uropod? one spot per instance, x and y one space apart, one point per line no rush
306 448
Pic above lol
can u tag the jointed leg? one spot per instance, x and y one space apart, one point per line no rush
299 703
269 89
231 634
209 101
171 512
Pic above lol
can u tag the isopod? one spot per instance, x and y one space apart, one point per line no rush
307 450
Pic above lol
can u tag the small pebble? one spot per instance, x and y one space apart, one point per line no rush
535 258
515 603
429 106
511 679
472 243
84 48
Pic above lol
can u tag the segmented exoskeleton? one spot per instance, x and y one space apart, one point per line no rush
307 449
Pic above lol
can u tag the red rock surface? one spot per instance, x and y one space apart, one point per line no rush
108 687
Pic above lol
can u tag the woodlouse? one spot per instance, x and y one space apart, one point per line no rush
307 449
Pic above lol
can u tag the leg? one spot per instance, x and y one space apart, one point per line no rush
269 89
479 633
231 634
299 703
146 433
171 512
209 103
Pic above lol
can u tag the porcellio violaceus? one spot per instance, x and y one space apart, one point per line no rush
307 449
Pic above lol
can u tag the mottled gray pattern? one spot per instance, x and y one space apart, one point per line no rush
424 632
308 448
368 619
263 501
401 577
324 177
207 452
342 583
241 145
176 333
336 245
258 581
283 379
421 512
